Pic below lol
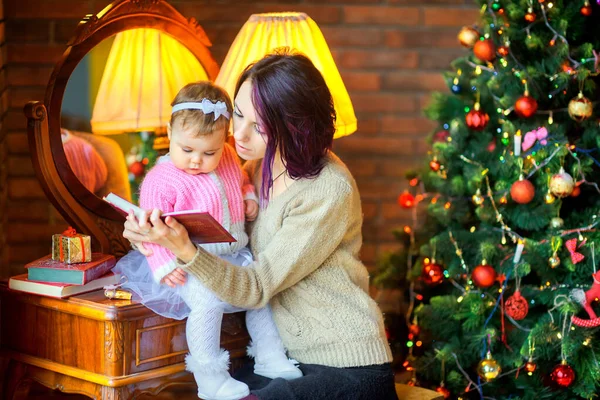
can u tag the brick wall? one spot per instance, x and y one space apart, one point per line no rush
390 53
3 146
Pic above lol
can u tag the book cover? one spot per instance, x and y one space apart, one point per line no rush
201 226
46 269
59 290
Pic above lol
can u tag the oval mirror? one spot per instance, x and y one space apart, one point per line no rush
116 107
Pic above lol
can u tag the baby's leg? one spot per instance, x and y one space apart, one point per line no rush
267 348
208 362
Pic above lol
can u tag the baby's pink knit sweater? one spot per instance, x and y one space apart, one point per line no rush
220 193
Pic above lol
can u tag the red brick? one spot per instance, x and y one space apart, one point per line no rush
15 120
438 60
20 166
35 53
383 102
424 99
438 38
221 33
376 59
391 210
446 16
36 9
337 36
428 2
414 80
223 12
360 167
382 15
361 81
29 76
400 146
413 126
36 210
63 30
25 188
347 1
321 14
17 143
370 210
367 253
20 95
27 30
398 167
368 124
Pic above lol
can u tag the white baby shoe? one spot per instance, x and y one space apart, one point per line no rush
213 379
276 365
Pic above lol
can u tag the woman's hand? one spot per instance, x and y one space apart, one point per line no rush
169 234
135 231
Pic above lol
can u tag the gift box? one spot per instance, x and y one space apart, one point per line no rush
71 247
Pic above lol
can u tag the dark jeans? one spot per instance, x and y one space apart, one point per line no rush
375 382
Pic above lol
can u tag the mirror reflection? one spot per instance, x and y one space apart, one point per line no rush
116 108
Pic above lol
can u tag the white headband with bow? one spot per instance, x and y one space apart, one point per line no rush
206 106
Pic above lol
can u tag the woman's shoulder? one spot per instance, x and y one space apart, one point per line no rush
335 171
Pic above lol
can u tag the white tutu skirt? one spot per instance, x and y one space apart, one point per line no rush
162 299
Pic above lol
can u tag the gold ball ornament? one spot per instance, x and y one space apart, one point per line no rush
554 261
478 198
557 223
489 369
561 184
580 108
549 198
468 36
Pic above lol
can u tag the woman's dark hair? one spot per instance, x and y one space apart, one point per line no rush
296 113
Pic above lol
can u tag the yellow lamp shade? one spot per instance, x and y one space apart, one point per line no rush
263 33
144 71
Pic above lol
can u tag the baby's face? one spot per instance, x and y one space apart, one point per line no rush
195 154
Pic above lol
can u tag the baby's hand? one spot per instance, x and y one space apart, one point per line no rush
250 209
176 277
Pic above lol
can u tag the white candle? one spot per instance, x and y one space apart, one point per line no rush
519 251
517 142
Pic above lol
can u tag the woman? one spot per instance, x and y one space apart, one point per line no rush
305 240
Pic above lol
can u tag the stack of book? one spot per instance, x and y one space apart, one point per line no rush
58 279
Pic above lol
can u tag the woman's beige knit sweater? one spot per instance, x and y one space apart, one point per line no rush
306 244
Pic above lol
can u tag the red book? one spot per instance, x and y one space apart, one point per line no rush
59 290
201 226
48 270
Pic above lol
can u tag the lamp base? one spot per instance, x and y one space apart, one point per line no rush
161 142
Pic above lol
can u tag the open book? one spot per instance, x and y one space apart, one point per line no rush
201 226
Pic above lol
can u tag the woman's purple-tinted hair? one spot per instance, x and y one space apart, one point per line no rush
296 113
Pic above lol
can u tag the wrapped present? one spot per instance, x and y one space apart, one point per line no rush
71 247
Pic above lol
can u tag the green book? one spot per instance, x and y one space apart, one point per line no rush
46 269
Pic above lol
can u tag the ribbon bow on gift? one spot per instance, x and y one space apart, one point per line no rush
70 232
572 246
531 137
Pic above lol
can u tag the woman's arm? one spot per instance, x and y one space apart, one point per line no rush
309 234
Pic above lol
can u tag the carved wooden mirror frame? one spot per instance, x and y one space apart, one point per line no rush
84 210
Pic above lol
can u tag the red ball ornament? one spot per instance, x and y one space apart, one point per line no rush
503 51
563 375
530 17
434 165
137 168
414 329
485 50
406 200
576 191
441 137
443 391
477 119
526 106
522 191
484 276
516 306
586 10
432 274
530 366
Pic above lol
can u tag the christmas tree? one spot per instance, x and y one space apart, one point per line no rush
499 260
